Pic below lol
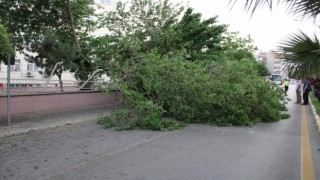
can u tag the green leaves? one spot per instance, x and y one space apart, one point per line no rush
302 54
54 49
200 38
28 19
71 20
6 47
184 69
225 92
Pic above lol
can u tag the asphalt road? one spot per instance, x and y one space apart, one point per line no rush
266 151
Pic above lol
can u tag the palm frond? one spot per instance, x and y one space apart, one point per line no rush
252 5
302 54
303 8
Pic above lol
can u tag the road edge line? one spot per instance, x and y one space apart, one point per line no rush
307 169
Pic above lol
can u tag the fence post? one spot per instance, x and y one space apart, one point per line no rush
55 67
86 82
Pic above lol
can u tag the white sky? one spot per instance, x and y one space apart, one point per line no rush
266 28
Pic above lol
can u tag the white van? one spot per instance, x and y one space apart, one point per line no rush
277 78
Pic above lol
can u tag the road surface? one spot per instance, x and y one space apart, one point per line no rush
284 150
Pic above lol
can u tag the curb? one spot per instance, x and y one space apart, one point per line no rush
43 121
315 116
13 132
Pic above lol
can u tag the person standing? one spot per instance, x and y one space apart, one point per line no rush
306 90
286 86
299 88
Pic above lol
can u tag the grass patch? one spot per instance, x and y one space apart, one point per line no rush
316 103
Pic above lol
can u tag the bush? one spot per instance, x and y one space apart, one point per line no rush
127 119
105 121
225 93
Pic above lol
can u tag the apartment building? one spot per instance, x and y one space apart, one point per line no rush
273 61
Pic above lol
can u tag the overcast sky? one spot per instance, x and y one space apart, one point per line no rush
266 28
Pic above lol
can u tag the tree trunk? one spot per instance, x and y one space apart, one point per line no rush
85 65
61 84
60 81
72 26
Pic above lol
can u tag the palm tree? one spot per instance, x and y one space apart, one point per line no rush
302 54
300 51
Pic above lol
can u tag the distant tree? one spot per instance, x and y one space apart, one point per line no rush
52 50
236 48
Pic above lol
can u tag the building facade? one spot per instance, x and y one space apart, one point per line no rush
273 61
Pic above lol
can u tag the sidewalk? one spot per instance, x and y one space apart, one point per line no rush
43 121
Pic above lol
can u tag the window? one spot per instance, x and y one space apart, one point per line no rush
32 67
105 1
16 66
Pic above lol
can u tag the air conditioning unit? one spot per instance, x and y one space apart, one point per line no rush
30 74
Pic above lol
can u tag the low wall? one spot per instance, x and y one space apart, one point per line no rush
38 103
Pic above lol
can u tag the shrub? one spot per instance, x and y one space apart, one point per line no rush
126 119
105 121
226 93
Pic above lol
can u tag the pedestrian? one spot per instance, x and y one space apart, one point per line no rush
306 90
299 88
286 86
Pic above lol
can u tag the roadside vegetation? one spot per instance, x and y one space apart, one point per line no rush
6 48
172 66
175 71
315 102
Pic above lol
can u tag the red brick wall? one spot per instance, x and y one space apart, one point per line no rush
37 103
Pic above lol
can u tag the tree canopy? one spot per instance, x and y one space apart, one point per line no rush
40 16
187 69
148 26
67 19
6 47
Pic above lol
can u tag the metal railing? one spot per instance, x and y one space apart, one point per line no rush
33 86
